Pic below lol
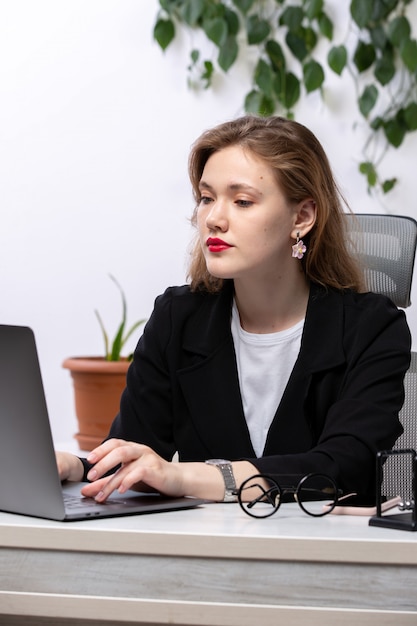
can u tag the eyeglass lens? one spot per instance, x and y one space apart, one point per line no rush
261 495
317 494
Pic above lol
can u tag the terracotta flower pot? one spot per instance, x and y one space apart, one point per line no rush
98 385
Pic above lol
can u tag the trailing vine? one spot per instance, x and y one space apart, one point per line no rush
378 53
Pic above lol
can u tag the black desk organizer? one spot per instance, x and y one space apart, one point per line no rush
408 463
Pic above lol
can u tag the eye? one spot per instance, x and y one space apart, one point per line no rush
244 203
205 200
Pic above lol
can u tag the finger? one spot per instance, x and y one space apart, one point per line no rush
127 477
146 478
119 454
100 451
91 490
132 476
121 481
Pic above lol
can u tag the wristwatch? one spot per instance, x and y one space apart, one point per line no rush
226 470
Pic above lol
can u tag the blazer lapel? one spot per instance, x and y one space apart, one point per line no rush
321 349
210 383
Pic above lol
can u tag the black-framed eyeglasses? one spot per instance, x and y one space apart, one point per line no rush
261 495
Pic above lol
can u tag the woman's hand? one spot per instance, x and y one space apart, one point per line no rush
69 466
141 469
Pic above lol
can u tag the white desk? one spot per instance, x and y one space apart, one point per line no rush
211 566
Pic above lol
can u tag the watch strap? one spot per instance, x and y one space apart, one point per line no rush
226 470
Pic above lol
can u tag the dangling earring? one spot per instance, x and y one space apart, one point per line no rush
298 249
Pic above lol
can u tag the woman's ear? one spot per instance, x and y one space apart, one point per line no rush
305 217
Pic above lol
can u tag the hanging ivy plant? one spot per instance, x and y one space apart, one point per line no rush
378 54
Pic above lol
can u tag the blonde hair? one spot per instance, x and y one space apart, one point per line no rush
302 171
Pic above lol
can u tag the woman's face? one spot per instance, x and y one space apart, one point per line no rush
246 226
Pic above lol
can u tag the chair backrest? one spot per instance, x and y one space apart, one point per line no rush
386 247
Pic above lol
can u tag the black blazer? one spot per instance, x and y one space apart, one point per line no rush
340 406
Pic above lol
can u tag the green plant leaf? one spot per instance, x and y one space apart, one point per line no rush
326 26
361 11
228 53
164 32
253 101
263 76
233 23
117 344
408 51
275 54
292 17
117 341
337 59
384 69
378 37
398 30
243 5
267 106
368 99
256 102
310 38
382 8
279 85
368 169
207 74
191 11
364 56
394 131
169 5
113 351
297 45
377 123
410 116
292 90
105 336
313 75
313 8
194 55
388 184
216 30
257 29
213 9
130 333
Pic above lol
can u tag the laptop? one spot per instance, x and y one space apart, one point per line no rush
29 479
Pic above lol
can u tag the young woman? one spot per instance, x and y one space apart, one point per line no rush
272 359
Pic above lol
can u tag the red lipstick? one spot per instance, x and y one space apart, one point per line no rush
217 245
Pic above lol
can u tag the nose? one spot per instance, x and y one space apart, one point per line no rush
217 217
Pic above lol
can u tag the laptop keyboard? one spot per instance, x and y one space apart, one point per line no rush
74 502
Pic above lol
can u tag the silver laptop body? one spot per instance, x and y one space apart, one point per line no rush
29 479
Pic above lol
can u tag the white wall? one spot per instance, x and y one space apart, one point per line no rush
96 125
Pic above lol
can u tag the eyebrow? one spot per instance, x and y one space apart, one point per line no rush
232 187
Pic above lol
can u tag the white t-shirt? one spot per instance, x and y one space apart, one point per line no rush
264 363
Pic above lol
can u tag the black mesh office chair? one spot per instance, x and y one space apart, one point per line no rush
386 247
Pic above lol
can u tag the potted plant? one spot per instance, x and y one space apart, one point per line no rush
99 381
